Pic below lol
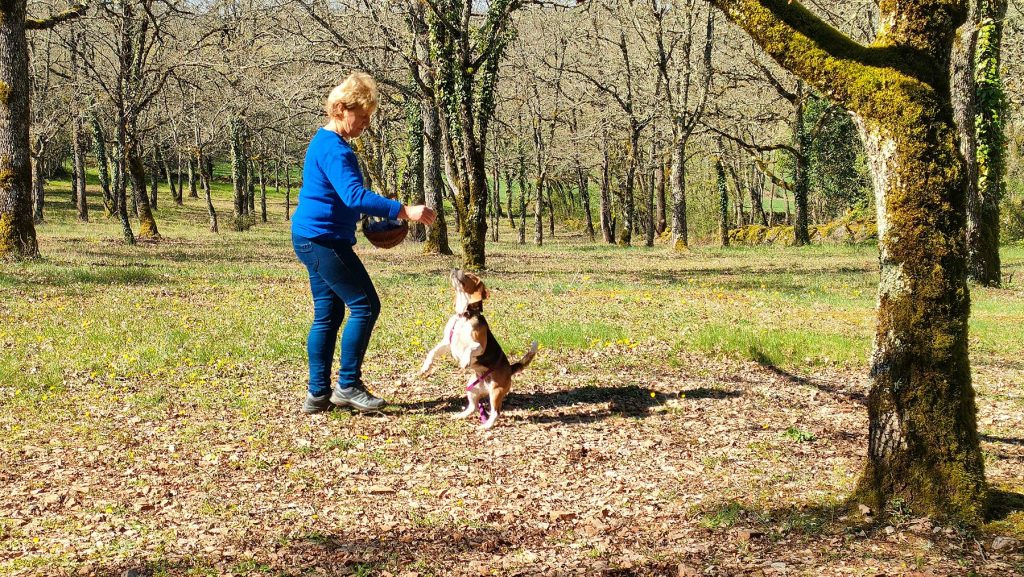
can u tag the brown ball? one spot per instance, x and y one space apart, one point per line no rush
385 234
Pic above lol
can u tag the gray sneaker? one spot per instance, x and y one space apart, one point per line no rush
316 404
358 398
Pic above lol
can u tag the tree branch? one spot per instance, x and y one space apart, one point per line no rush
49 22
807 46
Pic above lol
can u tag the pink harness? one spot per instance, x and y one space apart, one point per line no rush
480 379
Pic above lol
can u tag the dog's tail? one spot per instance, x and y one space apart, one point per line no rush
523 362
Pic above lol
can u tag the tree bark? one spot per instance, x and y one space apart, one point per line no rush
414 170
659 197
984 264
649 221
538 211
17 231
78 169
923 447
495 204
100 150
121 185
179 199
605 200
678 181
523 189
263 192
38 180
154 181
437 234
801 179
166 166
193 191
205 176
723 203
628 216
239 183
250 188
583 181
137 173
287 192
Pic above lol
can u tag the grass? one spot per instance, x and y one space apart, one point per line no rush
185 337
94 306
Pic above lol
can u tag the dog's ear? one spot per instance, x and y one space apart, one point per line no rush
483 293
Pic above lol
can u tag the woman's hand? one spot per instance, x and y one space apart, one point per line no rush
419 213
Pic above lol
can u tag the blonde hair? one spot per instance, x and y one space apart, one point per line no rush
359 90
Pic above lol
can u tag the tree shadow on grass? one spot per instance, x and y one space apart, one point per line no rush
590 403
453 551
762 359
808 519
1003 504
1004 440
331 554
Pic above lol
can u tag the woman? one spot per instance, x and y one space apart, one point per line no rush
323 232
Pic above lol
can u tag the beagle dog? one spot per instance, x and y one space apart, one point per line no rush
472 344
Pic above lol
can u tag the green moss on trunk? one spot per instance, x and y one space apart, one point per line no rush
923 442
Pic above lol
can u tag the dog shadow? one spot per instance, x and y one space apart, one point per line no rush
580 405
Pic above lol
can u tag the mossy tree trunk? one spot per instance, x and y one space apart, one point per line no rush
250 187
923 446
436 235
583 181
413 178
78 168
154 181
239 180
38 179
991 109
801 175
179 177
287 191
205 174
963 89
660 222
121 185
129 101
652 167
17 231
626 232
193 191
137 173
687 101
263 190
495 203
538 184
467 51
524 189
165 165
723 202
100 150
678 180
605 200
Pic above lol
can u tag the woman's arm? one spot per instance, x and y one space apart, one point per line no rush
419 213
342 170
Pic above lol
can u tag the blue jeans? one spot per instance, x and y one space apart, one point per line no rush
337 278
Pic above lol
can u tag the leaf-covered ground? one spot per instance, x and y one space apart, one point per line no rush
698 414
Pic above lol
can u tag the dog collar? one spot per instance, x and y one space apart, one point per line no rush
473 309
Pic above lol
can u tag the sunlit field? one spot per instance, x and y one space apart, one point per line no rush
700 410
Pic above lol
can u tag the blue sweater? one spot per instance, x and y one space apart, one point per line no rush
332 195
